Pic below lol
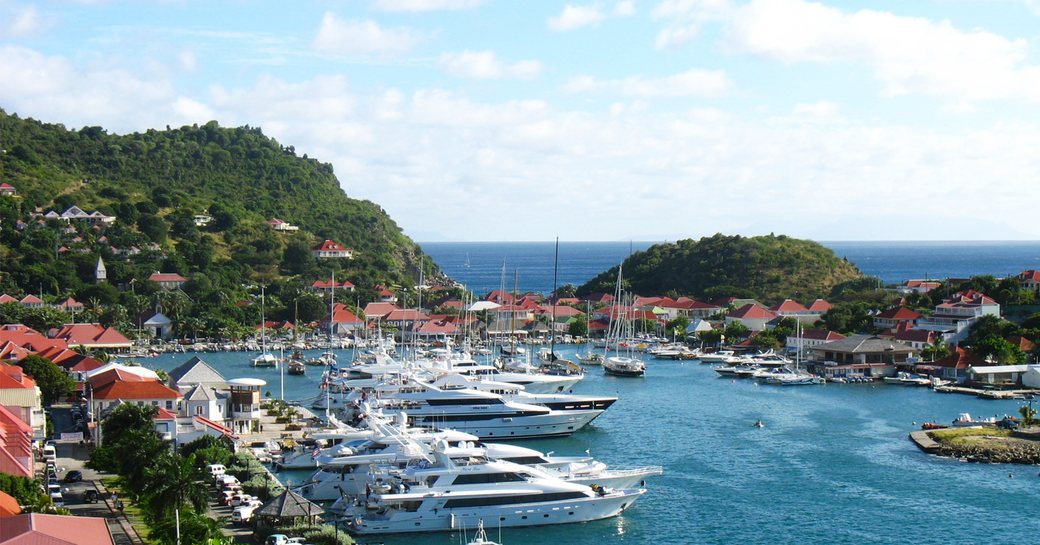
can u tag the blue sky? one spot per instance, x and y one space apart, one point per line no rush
609 120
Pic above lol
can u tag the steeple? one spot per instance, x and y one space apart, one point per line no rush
100 274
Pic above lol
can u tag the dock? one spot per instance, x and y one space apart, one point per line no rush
924 441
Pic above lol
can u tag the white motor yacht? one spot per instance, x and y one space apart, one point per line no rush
447 492
621 366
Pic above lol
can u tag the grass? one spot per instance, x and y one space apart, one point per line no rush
132 512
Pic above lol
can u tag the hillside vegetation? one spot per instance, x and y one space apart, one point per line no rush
154 183
768 268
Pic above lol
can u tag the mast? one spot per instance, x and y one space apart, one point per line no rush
263 324
332 309
554 300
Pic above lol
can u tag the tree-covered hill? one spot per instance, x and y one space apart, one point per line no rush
768 268
154 184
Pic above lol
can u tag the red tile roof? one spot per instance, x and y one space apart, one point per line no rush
821 335
342 315
12 377
166 277
331 284
1031 274
960 359
789 306
8 505
901 314
5 298
752 312
378 310
331 246
130 389
31 300
91 335
43 529
820 305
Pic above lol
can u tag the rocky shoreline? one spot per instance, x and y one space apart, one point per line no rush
1017 448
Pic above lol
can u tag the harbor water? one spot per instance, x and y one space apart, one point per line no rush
832 463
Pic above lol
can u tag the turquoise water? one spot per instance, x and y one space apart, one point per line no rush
832 465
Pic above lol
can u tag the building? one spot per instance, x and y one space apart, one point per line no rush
753 316
330 249
377 311
202 220
43 529
282 226
168 281
16 437
331 286
156 325
31 301
245 404
863 349
8 190
22 397
70 305
896 317
1029 280
955 316
114 384
93 336
920 286
100 272
810 338
342 321
953 367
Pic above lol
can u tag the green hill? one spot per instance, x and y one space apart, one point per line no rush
768 268
154 183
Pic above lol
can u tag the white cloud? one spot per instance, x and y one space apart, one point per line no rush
822 109
486 65
685 18
18 21
187 60
696 83
676 35
425 5
350 36
906 54
574 16
625 8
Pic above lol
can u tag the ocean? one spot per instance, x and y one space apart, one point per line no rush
833 464
486 266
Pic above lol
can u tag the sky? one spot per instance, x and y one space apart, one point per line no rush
523 120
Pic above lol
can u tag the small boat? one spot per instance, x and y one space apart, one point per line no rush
296 367
620 366
265 359
592 358
759 424
481 536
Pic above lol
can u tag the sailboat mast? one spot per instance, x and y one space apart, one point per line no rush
554 300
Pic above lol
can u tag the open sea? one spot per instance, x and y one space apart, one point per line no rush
833 464
486 266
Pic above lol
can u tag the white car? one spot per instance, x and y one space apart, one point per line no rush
244 513
241 499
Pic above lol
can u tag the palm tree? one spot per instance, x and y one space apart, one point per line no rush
174 482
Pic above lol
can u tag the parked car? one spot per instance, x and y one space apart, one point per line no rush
277 539
216 470
240 499
74 476
244 513
90 496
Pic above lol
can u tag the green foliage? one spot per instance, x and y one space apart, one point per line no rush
195 528
678 327
154 183
710 337
27 492
999 349
208 449
1028 415
53 381
174 482
735 331
849 318
767 267
579 327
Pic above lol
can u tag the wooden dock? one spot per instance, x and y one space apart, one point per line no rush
924 441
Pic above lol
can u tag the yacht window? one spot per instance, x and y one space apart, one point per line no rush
509 500
487 478
526 460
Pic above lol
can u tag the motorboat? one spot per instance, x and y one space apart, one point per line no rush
480 538
591 358
265 359
447 491
484 414
621 366
715 357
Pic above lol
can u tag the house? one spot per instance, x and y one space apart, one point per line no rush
156 325
5 298
385 294
22 397
343 321
377 311
282 226
810 338
820 307
70 305
331 286
916 338
122 384
202 220
699 325
92 336
8 190
753 316
955 315
168 281
955 366
44 529
406 319
196 372
864 349
1000 376
75 213
439 329
330 249
16 437
1029 280
789 308
919 286
245 404
31 301
895 317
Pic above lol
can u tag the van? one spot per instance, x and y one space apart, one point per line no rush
50 454
215 470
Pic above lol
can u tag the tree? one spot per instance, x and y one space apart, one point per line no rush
678 326
579 327
53 381
153 227
1028 415
999 349
936 351
175 482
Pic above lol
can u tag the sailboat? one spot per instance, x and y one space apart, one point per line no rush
328 358
621 365
265 358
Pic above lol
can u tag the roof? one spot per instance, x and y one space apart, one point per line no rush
820 335
865 344
961 358
196 371
166 277
342 315
405 315
899 314
8 505
330 246
1031 274
378 310
31 300
789 306
92 335
331 284
289 504
752 312
42 529
12 376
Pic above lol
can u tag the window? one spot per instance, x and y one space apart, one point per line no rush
487 478
169 405
198 409
509 500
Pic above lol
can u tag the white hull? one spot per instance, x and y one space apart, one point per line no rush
556 423
504 516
